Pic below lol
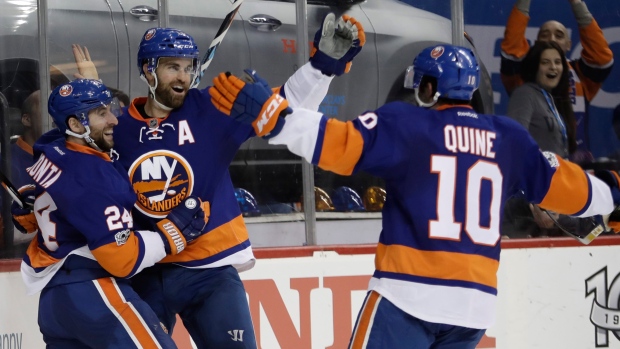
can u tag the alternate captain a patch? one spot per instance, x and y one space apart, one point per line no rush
161 180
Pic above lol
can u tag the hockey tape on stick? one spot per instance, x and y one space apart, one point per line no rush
12 190
208 56
583 229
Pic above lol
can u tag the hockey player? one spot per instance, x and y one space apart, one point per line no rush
175 143
586 74
87 247
448 171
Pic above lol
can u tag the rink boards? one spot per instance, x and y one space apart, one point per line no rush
553 293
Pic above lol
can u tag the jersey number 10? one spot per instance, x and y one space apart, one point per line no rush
446 227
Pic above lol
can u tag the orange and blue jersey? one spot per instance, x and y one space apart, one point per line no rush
83 209
587 73
188 153
448 173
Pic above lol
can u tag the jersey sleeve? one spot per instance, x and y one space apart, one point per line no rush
306 88
365 143
561 186
596 61
108 229
514 47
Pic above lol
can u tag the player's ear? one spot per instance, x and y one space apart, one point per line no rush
75 125
147 73
26 120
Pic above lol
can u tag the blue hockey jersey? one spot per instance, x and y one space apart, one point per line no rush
448 173
83 205
188 153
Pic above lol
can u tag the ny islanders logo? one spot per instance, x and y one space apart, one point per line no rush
161 179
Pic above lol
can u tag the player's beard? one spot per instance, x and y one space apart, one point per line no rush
167 97
100 140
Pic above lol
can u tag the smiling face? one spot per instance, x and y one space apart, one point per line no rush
549 69
101 122
174 75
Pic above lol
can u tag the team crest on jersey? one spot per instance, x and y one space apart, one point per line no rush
65 90
161 179
437 52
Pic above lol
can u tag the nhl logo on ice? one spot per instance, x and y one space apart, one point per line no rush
191 203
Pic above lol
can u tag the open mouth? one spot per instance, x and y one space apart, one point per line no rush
178 89
551 75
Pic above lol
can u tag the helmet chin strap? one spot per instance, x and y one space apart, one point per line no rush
85 136
152 90
422 104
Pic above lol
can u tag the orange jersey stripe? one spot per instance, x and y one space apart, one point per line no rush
342 147
220 239
87 150
568 177
362 330
515 44
585 88
126 313
38 257
118 260
24 146
437 264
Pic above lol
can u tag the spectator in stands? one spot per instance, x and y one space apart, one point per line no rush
542 105
586 74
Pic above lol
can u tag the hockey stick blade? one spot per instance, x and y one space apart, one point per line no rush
12 190
221 32
585 230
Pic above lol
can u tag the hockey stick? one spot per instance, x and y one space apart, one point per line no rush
208 56
160 197
15 194
582 229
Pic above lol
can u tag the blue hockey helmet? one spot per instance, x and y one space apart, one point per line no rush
346 199
165 42
247 203
455 68
77 98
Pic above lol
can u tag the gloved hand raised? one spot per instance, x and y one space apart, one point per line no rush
23 217
251 102
336 43
184 224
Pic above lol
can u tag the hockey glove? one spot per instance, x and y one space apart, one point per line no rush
336 43
24 218
183 224
612 179
250 102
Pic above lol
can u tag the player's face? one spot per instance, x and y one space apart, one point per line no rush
101 122
556 32
174 75
549 69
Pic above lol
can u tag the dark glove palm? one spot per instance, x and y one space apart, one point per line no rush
187 219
